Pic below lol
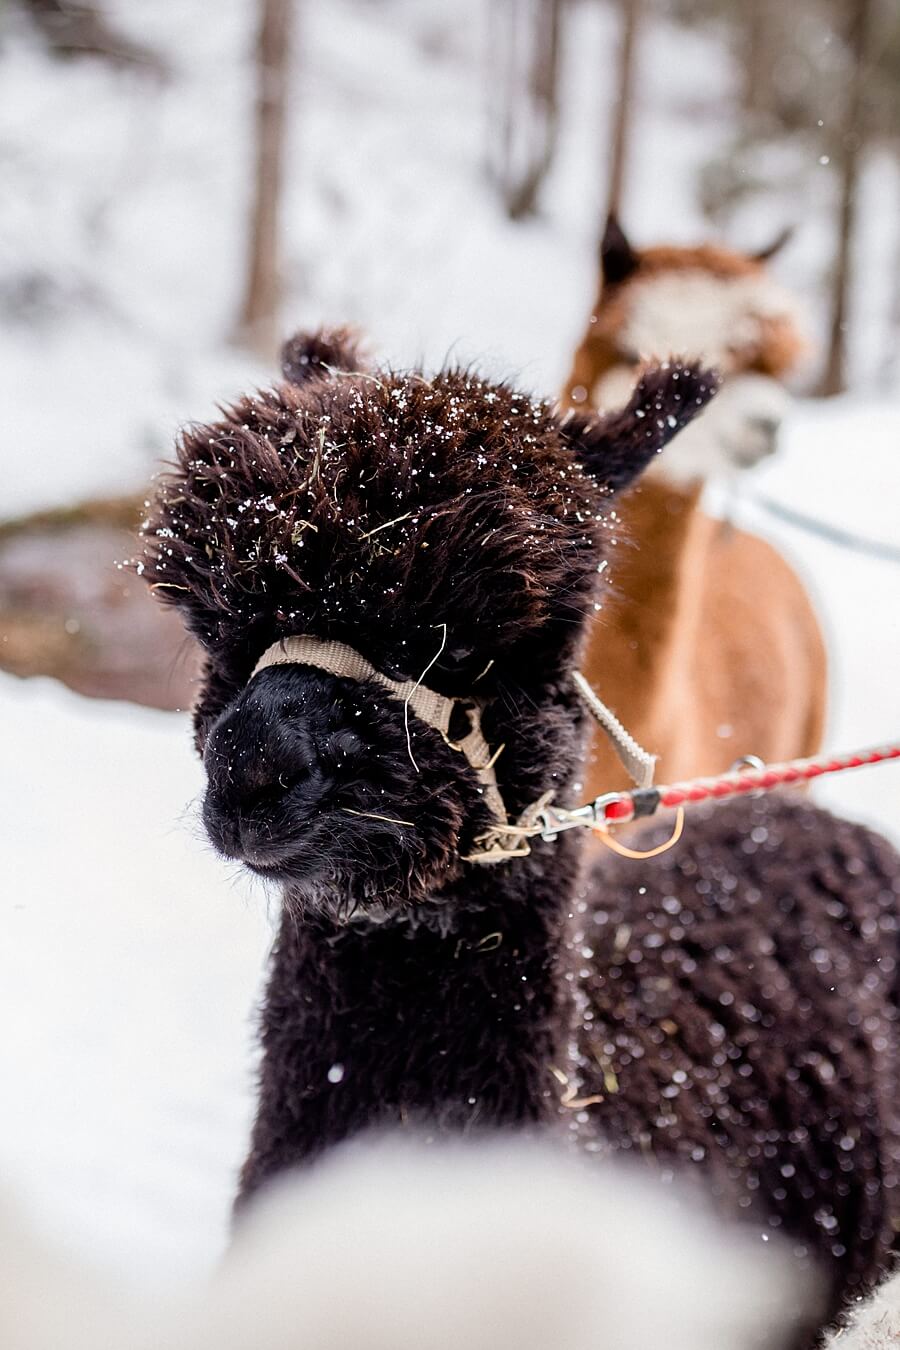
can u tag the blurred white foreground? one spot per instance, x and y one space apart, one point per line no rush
398 1246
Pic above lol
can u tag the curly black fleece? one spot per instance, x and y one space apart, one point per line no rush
731 1005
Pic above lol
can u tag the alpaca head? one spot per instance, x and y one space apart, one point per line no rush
446 529
712 304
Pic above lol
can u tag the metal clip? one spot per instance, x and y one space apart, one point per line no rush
554 819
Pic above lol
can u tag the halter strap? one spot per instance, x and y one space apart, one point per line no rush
338 659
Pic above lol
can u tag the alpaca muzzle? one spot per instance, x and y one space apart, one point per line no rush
505 839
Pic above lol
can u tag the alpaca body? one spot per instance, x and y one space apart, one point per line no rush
746 984
452 533
708 648
728 1008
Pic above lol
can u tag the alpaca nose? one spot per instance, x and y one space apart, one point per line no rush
253 766
248 776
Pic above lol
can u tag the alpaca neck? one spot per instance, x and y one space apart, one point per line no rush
639 659
657 589
450 1016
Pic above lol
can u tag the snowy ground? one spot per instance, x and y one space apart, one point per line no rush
128 964
129 958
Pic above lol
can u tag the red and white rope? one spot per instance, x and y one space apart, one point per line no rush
622 807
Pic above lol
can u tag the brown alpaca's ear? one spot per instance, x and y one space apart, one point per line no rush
306 355
617 258
616 448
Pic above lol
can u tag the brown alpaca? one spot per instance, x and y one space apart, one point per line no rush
708 648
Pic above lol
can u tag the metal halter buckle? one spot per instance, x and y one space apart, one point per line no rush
554 819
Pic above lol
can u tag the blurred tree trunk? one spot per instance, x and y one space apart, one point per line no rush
623 111
890 366
525 40
257 325
852 143
757 42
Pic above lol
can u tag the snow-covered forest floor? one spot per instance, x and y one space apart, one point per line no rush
129 958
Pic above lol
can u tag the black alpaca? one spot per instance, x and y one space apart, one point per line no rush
730 1004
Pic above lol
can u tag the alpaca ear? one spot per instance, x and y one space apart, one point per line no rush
616 448
777 244
307 355
617 258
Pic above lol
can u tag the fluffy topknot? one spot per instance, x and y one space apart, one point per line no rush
380 508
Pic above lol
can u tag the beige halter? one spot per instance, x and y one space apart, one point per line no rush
503 840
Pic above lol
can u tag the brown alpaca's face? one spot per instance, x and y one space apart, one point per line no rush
445 526
715 305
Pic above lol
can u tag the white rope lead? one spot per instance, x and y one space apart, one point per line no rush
638 763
